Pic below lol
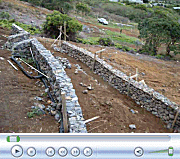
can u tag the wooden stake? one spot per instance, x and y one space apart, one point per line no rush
178 111
60 36
65 123
94 62
64 31
32 54
137 74
129 84
100 55
55 41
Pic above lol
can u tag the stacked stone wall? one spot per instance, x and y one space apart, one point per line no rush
143 95
58 80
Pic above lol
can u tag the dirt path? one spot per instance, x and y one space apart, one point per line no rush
106 102
16 98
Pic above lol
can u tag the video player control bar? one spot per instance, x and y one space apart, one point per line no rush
105 147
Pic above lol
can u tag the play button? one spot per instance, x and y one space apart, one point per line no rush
17 151
138 151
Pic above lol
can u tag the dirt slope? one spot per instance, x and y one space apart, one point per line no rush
17 92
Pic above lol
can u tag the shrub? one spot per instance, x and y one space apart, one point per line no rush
4 15
106 42
83 8
34 112
56 19
8 23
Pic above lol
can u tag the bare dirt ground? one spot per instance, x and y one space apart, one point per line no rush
16 98
106 102
163 76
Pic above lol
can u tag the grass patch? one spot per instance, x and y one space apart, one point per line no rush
121 37
34 112
89 40
8 23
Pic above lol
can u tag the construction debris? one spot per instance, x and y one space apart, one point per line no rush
1 58
85 92
132 126
90 87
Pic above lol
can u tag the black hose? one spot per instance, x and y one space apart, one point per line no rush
23 70
61 130
42 77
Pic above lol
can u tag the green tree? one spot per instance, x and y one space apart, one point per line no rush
161 28
56 19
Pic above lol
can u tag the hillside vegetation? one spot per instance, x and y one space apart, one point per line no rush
153 27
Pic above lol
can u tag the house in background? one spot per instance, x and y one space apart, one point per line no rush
114 0
135 1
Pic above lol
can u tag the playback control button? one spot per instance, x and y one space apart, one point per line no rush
138 151
75 152
63 151
50 151
31 151
87 151
17 151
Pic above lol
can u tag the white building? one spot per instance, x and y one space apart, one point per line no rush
136 1
114 0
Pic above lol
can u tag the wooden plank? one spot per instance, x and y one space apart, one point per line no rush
64 112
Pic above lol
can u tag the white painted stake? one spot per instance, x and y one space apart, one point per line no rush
94 118
136 75
143 82
133 76
34 68
55 40
12 65
100 51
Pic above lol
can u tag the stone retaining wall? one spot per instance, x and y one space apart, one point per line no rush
143 95
59 81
